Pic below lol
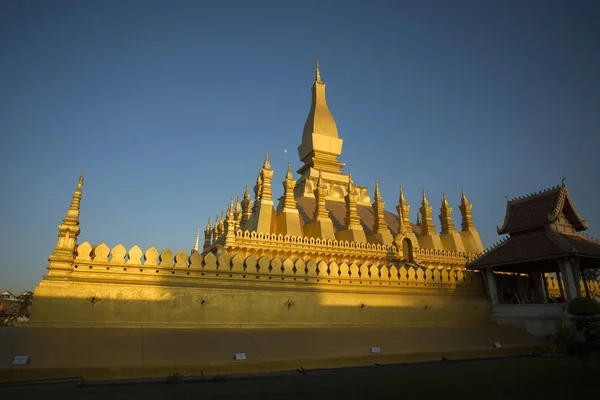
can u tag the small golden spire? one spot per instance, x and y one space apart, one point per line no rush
267 164
238 205
72 217
352 220
69 230
230 208
197 240
465 210
318 72
427 227
246 209
404 225
446 216
207 235
379 225
289 202
216 229
320 212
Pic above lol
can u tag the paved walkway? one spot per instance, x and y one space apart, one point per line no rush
514 378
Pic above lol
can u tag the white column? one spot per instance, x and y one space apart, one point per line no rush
490 283
577 275
566 270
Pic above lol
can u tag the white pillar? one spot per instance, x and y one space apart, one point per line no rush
577 275
490 283
566 270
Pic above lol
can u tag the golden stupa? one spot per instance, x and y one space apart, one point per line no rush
320 257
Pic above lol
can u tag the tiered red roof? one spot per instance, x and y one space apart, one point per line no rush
528 222
540 209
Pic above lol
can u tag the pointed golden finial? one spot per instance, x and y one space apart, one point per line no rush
80 182
320 180
197 240
318 72
267 164
464 200
402 199
230 208
72 216
444 200
349 183
289 175
246 193
424 197
377 194
69 230
238 205
207 235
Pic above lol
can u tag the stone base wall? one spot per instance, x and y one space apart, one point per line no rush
536 319
218 304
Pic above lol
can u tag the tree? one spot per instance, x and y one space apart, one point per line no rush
24 307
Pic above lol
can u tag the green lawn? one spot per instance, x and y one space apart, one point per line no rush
514 378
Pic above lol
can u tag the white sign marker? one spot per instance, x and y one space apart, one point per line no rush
21 360
497 345
375 350
239 356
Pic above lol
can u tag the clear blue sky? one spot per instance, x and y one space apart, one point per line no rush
170 106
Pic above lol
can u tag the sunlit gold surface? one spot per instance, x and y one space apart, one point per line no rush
290 266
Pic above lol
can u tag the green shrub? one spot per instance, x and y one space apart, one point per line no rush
583 306
175 379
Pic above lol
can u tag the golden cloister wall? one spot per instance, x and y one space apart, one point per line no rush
104 287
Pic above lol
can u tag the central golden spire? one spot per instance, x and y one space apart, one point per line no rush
320 145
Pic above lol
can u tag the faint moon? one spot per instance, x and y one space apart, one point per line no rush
285 150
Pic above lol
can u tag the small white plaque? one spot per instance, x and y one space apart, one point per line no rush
375 350
239 356
21 360
497 345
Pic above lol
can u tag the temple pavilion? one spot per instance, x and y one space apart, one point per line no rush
543 238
